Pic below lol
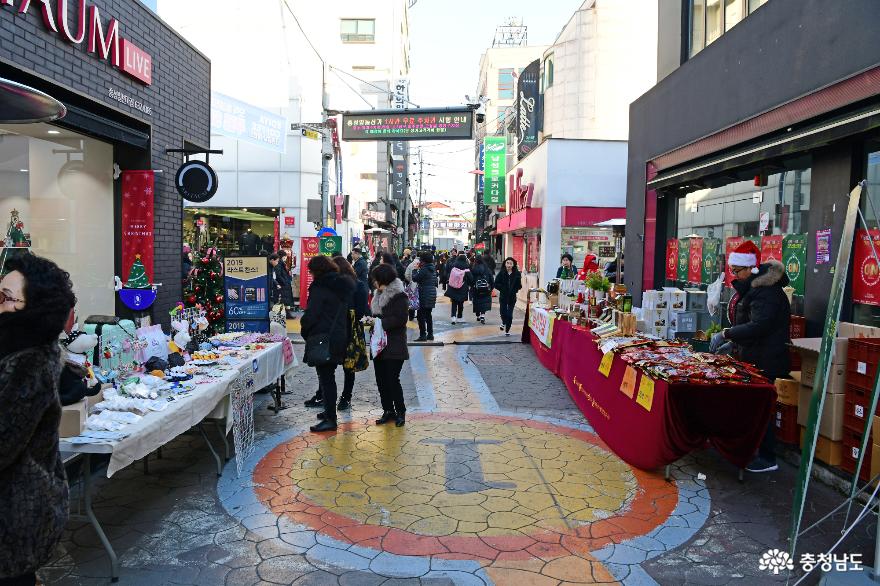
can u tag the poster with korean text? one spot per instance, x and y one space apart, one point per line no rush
711 260
866 272
794 258
683 259
671 259
695 263
771 248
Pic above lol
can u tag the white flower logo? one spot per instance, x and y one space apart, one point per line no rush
775 560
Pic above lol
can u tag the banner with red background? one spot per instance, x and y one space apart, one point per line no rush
771 248
866 272
137 221
695 262
671 259
311 247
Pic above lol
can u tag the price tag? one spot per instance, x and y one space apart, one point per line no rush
605 365
645 397
862 368
628 386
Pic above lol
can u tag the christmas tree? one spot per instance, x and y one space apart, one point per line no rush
137 276
15 235
205 287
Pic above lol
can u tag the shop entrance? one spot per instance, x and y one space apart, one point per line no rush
234 231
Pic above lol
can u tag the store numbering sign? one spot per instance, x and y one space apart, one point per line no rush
495 153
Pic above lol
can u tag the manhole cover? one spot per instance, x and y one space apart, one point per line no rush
490 359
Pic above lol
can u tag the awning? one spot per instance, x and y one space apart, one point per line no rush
582 217
527 219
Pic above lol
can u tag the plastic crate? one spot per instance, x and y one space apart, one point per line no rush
852 444
797 327
795 360
862 358
786 423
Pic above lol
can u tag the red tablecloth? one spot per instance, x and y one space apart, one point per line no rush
682 417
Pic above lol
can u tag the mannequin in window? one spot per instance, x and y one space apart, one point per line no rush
248 243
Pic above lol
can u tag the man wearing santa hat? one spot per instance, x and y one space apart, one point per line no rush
759 313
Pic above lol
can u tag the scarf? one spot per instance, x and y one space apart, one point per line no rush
18 331
384 297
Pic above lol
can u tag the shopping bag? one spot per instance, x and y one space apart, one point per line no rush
412 292
278 314
378 339
356 358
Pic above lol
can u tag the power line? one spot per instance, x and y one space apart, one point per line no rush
348 85
381 89
308 40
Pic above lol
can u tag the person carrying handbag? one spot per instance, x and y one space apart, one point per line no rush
391 305
325 328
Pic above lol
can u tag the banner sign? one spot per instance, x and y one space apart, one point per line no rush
711 262
823 246
330 244
137 221
794 257
541 323
771 248
409 125
495 149
241 121
695 263
309 249
671 259
482 167
527 109
866 272
246 284
684 245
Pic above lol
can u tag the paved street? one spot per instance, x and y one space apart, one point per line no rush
495 479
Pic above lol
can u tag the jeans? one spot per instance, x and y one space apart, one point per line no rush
388 381
506 307
426 321
457 306
327 382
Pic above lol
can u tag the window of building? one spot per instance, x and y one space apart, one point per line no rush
733 13
714 20
547 73
755 4
358 30
698 26
709 19
505 83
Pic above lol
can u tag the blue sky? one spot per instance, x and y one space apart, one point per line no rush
150 3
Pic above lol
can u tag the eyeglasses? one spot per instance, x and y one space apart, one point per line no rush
4 298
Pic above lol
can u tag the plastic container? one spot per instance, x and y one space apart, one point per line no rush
786 424
852 444
862 358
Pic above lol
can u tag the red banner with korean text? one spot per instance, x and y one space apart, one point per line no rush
671 259
866 272
137 221
729 245
771 248
311 247
695 262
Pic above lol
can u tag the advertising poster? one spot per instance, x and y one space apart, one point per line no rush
495 153
683 259
330 244
246 283
711 262
695 265
823 246
731 243
771 248
310 248
794 257
241 121
137 221
866 272
671 259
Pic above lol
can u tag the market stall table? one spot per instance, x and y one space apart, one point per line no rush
665 421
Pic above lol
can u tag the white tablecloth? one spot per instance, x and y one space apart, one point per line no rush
158 428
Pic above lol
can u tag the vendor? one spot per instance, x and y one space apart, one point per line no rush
760 313
566 271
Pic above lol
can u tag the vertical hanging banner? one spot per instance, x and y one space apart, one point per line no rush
794 257
137 221
681 274
309 249
695 264
823 246
495 153
866 272
771 248
671 259
711 262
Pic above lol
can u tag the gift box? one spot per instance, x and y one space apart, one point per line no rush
831 420
696 300
677 300
73 419
787 391
683 321
656 317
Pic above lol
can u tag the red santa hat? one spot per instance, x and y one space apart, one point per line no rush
744 255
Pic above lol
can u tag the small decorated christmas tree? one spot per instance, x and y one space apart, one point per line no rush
15 234
205 287
137 276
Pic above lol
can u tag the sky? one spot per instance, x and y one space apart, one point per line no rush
150 3
447 38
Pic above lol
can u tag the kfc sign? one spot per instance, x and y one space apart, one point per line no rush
106 43
520 195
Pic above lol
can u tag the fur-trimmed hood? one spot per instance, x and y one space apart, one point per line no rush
384 297
769 274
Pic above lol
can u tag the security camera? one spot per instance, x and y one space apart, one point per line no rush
328 156
481 118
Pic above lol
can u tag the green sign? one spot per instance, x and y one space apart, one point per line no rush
794 257
711 263
684 251
330 244
494 184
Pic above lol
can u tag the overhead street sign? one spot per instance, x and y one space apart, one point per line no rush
421 124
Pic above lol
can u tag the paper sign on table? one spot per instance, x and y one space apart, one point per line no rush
628 386
605 365
645 397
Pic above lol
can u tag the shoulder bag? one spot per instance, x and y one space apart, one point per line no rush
317 352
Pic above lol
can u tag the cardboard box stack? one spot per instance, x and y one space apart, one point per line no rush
786 415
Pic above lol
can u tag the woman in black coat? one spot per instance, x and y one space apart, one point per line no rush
459 294
391 304
481 288
508 282
37 298
426 278
361 307
330 296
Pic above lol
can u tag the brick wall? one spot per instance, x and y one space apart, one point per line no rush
179 97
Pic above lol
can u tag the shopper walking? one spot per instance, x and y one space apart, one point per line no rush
361 268
426 278
412 289
36 300
460 280
324 328
356 358
760 312
390 303
481 288
442 275
490 263
508 282
284 282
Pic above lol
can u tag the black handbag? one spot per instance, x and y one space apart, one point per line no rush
317 351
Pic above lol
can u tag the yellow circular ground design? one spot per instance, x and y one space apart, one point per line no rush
467 478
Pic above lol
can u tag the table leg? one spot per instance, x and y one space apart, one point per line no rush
280 389
221 429
87 489
213 451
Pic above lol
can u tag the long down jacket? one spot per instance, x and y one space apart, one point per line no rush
392 305
330 297
482 301
426 278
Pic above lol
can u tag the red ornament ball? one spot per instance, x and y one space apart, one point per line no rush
219 299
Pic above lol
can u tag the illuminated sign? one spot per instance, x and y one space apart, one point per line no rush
408 125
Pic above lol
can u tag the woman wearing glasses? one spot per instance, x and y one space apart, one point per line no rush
36 299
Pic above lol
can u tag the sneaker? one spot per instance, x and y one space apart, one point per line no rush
421 338
430 338
507 334
344 404
316 401
501 328
759 464
452 320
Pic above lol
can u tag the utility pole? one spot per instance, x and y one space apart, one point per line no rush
421 189
326 152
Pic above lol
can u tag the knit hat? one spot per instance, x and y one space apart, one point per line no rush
745 255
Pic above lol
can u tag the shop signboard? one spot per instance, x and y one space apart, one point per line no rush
246 284
695 261
823 246
794 257
409 125
330 244
196 181
482 167
309 248
681 273
671 259
246 123
866 271
541 323
495 148
711 262
771 248
527 109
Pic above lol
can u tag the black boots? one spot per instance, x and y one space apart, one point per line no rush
386 417
326 425
344 403
316 401
401 419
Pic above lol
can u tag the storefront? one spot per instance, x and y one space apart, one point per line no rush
125 107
